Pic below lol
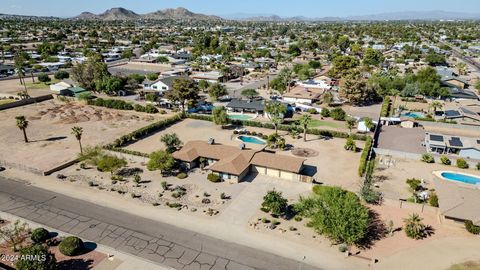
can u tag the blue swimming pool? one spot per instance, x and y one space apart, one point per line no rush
459 177
239 117
413 115
250 139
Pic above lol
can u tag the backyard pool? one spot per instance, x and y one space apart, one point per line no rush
239 117
460 177
413 115
250 139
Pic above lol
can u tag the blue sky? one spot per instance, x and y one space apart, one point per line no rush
308 8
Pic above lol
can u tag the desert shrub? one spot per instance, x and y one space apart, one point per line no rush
182 175
39 235
215 178
472 228
350 145
462 163
325 112
71 246
445 160
414 184
108 163
433 199
428 158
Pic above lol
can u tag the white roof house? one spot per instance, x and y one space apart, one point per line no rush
60 86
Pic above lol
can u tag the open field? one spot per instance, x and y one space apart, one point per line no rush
12 87
49 131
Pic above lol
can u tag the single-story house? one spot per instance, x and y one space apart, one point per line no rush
248 106
450 79
459 93
465 147
303 95
235 163
73 92
160 84
458 202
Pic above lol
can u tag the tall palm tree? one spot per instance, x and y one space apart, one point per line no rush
276 112
305 120
77 132
22 124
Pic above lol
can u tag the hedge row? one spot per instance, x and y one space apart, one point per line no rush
320 132
364 157
122 105
385 112
144 131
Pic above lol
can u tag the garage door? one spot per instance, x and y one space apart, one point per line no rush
273 173
286 175
259 170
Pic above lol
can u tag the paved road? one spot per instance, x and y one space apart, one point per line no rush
152 240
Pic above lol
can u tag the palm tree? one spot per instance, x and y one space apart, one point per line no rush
414 228
77 132
276 112
305 120
436 105
22 124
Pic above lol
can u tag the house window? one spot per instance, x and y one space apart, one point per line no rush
155 87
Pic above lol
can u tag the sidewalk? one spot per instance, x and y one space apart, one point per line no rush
118 260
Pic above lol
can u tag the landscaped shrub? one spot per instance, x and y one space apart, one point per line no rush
363 158
325 112
445 160
428 158
61 74
39 235
433 199
462 164
71 246
215 178
312 111
472 228
43 78
182 175
338 114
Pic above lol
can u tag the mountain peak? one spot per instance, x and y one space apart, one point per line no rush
119 13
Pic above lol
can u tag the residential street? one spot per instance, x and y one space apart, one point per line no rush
158 242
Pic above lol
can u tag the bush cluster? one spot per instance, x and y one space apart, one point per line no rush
472 228
71 246
40 235
111 103
215 178
146 109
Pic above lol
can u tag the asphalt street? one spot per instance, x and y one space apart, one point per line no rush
152 240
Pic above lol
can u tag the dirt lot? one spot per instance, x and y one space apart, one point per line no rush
142 68
49 129
12 87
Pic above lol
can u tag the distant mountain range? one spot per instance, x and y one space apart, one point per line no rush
184 14
392 16
125 14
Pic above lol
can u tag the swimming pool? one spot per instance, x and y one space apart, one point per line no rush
460 177
413 115
239 117
250 139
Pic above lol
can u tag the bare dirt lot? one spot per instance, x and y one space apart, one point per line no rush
49 131
13 87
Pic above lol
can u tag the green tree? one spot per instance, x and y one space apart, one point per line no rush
275 203
162 161
342 65
315 64
305 121
350 123
414 228
294 50
436 105
220 116
61 74
44 78
171 141
350 144
249 93
203 85
372 57
20 64
369 123
356 90
337 213
78 132
91 72
43 259
22 124
276 112
183 90
216 90
109 84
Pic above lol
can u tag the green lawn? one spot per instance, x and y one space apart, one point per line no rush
41 85
319 123
6 101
